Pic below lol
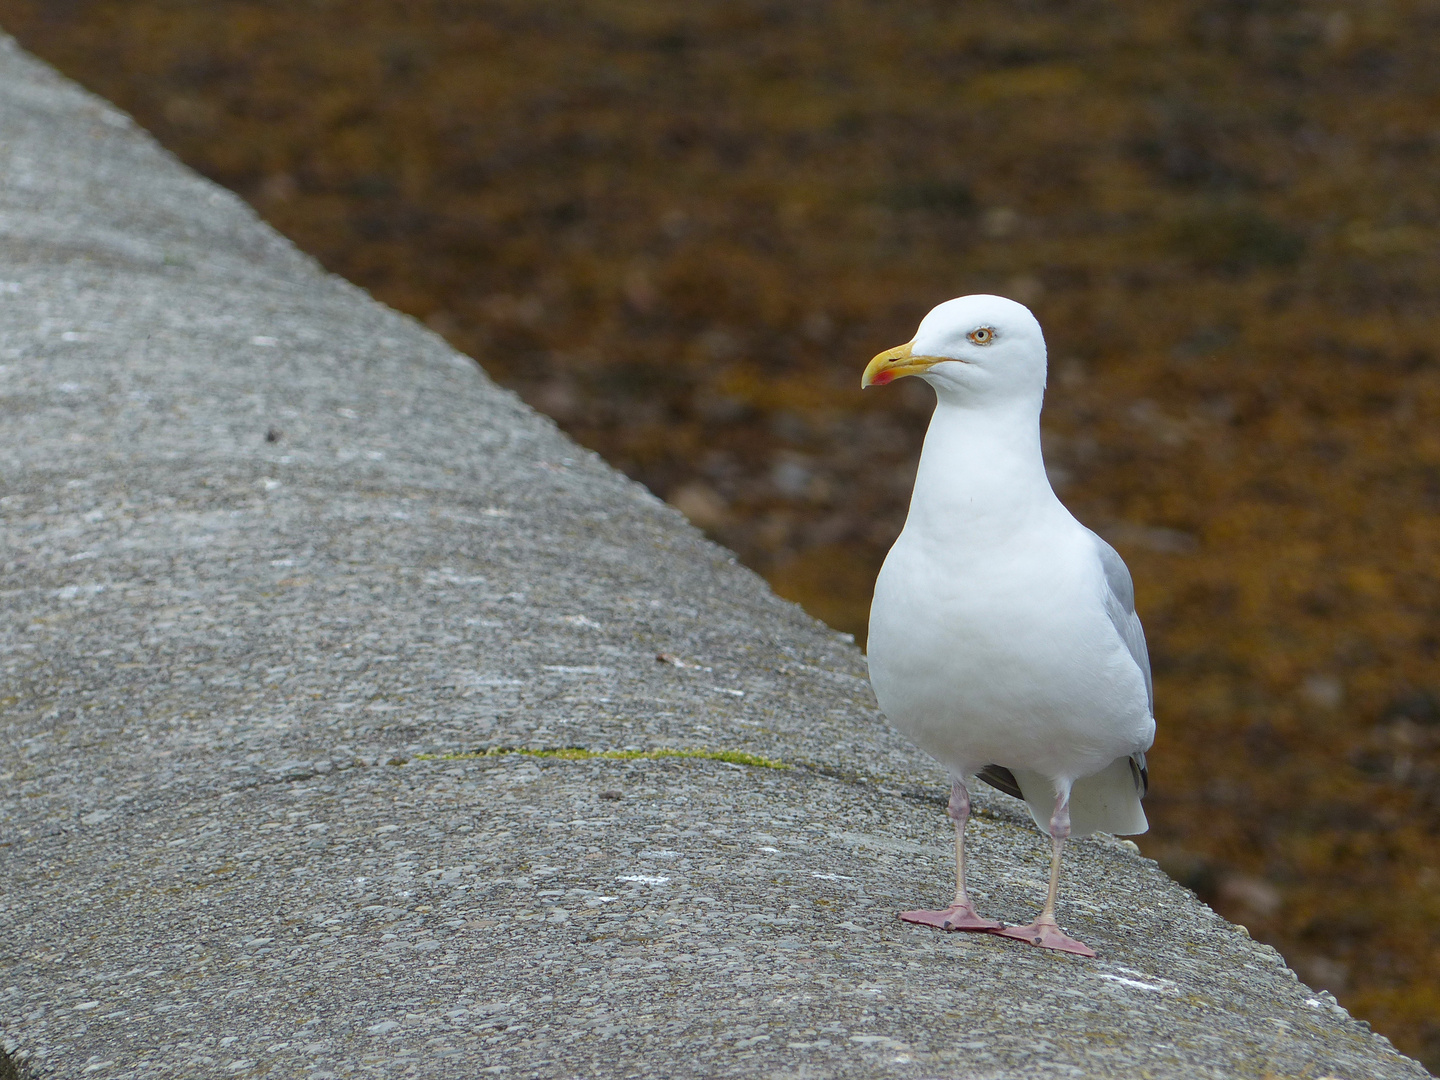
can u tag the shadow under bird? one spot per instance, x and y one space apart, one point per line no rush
1003 635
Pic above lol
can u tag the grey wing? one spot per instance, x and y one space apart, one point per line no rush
1120 606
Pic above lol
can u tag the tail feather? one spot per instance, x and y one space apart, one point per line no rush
1108 801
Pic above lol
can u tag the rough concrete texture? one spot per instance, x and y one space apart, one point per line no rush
272 551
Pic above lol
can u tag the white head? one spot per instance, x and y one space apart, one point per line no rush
972 350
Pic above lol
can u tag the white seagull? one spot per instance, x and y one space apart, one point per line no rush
1003 635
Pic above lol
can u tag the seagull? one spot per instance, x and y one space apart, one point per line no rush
1003 635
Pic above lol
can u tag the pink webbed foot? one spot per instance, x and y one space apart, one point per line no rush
954 917
1047 935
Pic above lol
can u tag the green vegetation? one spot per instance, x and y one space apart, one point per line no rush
682 230
575 753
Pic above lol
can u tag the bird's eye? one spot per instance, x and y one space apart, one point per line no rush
983 336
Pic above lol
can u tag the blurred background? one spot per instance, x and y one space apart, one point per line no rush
682 229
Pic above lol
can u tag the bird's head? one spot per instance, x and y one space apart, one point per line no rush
973 347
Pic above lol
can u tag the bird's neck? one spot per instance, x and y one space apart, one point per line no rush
981 475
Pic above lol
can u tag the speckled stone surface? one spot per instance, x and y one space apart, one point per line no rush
273 554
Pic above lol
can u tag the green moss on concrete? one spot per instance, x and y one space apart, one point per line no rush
575 753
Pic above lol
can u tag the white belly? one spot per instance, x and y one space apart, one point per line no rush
1005 657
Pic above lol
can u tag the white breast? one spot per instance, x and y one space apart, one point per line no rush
1004 653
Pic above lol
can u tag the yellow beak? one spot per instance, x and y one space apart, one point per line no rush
895 364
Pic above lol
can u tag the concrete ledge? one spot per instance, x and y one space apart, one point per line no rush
294 602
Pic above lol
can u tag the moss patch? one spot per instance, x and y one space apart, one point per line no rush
576 753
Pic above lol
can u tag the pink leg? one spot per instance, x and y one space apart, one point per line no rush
960 915
1045 931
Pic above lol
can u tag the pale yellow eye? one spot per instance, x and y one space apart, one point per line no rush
982 336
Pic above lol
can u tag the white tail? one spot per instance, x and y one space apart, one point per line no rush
1105 802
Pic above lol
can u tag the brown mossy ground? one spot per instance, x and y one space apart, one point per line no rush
683 229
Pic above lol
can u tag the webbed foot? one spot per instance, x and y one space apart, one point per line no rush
954 917
1046 934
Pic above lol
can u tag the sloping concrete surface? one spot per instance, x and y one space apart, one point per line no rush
279 568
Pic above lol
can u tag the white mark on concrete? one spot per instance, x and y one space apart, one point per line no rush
1137 984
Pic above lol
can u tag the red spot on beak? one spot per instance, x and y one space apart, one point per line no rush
882 378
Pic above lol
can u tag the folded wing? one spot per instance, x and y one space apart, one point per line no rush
1120 606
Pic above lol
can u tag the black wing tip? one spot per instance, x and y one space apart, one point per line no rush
1001 779
1141 774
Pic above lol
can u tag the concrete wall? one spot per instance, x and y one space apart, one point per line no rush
282 572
